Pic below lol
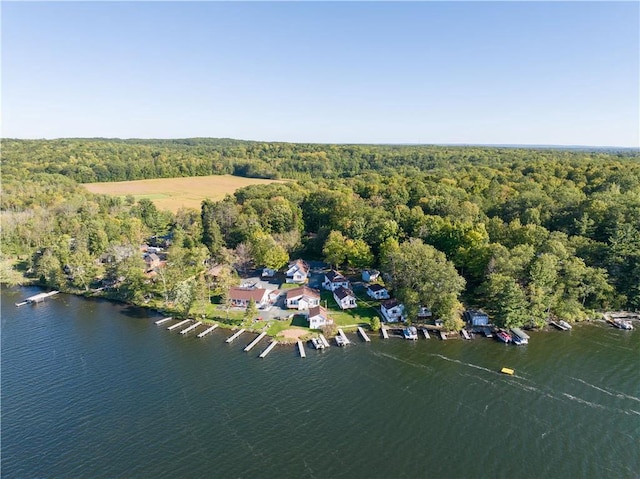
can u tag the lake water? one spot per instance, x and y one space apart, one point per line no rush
96 389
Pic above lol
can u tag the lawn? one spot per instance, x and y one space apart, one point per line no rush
349 317
174 193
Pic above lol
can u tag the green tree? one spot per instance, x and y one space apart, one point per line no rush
335 251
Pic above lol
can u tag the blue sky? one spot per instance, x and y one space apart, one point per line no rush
428 72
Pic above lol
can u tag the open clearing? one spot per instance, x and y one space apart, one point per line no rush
175 193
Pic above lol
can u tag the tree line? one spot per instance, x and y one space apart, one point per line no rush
526 234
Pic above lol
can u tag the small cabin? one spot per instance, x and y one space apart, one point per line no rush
476 317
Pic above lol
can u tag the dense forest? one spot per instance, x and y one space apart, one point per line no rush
526 234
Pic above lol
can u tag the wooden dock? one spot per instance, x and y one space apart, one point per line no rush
465 334
160 321
443 336
324 341
303 354
385 333
343 336
37 298
207 331
255 341
269 348
426 333
235 336
191 328
177 325
364 335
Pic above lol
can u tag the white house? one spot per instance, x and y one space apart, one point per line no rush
240 297
297 272
377 291
370 275
302 298
345 298
318 317
392 311
334 280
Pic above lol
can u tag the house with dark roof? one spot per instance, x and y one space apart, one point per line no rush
302 298
392 311
345 298
334 280
476 317
377 291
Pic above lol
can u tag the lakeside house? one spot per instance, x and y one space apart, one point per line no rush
476 317
345 298
240 297
152 262
297 272
377 291
392 311
302 298
369 275
318 317
334 280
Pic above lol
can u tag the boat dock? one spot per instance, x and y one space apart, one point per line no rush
343 336
426 333
269 348
207 331
160 321
385 333
303 354
235 336
324 341
255 341
191 328
37 298
364 335
465 334
177 325
442 335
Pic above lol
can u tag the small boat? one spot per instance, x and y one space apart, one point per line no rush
503 336
316 343
410 333
519 336
340 340
623 324
564 324
508 371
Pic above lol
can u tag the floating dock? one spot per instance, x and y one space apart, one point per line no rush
235 336
364 335
442 335
191 328
160 321
207 331
303 354
37 298
426 333
269 348
255 341
177 325
508 371
343 336
385 333
465 334
324 341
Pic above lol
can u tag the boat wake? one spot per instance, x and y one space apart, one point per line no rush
614 394
462 362
396 358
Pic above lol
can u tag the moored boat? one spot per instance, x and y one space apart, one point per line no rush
317 343
410 332
340 340
519 336
623 324
564 324
503 336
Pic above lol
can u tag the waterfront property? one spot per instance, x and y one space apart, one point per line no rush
240 297
334 280
377 291
302 298
318 317
369 275
345 298
297 272
392 311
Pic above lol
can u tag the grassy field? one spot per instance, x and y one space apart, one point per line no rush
174 193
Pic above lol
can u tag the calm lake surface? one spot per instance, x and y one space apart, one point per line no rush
96 389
